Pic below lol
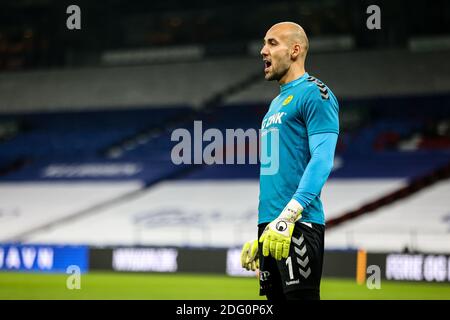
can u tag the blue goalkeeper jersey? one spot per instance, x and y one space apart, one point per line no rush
305 108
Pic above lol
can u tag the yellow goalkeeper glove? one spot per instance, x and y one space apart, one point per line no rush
249 255
276 238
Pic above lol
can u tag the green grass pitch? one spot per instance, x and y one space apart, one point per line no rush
193 287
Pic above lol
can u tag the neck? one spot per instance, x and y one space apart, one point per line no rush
295 71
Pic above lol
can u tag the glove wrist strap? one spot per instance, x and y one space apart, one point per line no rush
292 212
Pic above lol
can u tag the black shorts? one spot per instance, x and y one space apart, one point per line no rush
298 276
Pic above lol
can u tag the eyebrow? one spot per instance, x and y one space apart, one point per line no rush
269 40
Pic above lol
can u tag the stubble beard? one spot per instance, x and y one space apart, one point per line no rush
276 74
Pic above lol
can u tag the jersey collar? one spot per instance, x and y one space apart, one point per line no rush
293 83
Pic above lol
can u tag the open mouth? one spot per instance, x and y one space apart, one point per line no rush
267 65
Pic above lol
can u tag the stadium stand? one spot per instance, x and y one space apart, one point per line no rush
122 87
193 213
141 215
358 74
416 224
116 128
26 206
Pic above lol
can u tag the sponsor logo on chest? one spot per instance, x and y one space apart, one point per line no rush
276 118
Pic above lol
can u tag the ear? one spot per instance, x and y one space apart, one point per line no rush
296 51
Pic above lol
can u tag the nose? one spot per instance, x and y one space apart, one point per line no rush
264 51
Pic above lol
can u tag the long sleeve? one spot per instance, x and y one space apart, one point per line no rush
322 147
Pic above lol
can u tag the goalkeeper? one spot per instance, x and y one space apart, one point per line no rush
298 135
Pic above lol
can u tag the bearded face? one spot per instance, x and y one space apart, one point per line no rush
285 44
276 64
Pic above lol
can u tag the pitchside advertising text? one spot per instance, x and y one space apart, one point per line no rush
76 260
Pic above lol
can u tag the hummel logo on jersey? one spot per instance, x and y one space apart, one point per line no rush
273 119
321 86
264 275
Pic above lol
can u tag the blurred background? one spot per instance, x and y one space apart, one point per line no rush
87 114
